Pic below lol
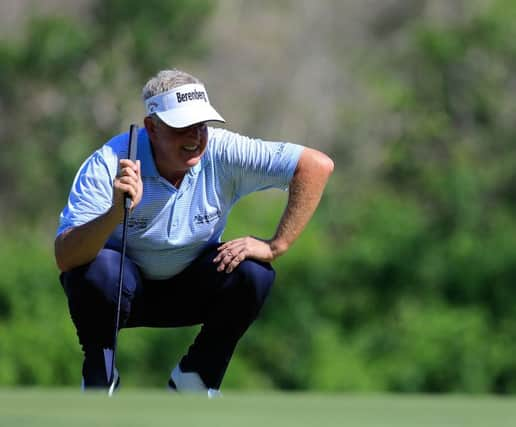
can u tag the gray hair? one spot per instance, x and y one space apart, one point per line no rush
167 80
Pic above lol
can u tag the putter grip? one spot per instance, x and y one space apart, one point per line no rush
133 146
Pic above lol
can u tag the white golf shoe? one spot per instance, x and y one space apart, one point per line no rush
190 382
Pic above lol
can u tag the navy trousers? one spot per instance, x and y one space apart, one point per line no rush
225 304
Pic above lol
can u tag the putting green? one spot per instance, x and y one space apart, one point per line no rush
136 407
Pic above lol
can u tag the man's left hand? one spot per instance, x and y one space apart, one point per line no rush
232 253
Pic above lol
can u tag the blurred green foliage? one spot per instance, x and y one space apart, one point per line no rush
64 88
403 284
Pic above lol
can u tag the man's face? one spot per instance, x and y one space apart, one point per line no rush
178 149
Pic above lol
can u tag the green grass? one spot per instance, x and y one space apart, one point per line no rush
133 407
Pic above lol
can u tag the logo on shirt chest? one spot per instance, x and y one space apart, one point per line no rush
207 217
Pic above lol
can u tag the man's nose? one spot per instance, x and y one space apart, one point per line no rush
194 132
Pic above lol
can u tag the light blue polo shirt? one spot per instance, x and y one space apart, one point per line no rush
171 226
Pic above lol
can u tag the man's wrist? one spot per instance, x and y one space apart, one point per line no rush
278 247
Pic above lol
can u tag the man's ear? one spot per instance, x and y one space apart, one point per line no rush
149 125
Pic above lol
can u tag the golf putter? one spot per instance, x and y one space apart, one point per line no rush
133 142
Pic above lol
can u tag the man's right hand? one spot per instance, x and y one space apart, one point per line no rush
128 181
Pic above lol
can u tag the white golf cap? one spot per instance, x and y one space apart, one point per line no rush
183 106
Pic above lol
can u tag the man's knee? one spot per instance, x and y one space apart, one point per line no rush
92 292
255 279
96 280
102 274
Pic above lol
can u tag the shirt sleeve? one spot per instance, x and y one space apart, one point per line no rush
255 164
91 193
